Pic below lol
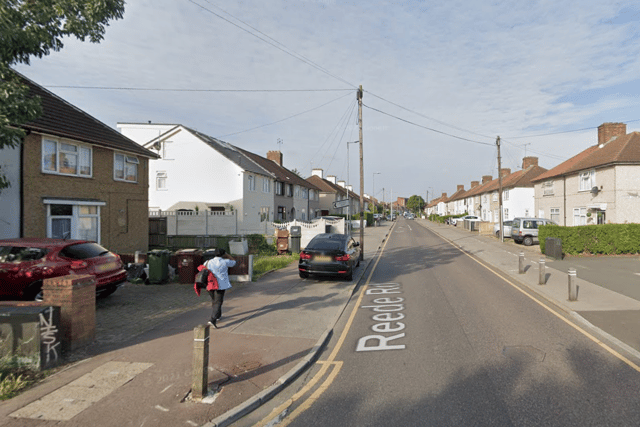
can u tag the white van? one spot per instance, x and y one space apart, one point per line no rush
525 230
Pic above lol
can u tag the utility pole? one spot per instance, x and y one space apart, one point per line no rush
359 96
500 189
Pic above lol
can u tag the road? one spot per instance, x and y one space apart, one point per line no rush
434 338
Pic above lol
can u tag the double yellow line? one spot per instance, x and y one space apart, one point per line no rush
325 365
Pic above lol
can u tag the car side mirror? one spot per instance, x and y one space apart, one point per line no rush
356 244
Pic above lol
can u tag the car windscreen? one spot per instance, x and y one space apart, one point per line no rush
326 245
83 251
21 253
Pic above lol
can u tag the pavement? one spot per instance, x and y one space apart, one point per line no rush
138 370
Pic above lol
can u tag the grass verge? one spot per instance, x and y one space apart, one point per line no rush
265 263
15 378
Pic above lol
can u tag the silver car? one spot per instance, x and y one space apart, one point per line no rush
506 229
525 230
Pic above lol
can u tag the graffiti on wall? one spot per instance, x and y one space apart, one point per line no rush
49 337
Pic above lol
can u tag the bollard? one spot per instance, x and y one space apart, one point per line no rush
200 373
542 279
573 287
521 263
136 257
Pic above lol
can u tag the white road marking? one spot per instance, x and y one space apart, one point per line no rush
166 388
161 408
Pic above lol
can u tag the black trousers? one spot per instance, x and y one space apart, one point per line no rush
217 297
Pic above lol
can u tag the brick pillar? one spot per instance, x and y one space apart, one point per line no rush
76 297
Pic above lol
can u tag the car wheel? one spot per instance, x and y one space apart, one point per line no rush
498 234
34 292
528 241
304 275
108 291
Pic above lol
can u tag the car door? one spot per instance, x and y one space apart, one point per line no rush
353 249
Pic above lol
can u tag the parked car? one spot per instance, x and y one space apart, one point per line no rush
330 254
525 230
506 229
26 262
454 221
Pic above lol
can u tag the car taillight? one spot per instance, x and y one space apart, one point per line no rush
344 257
304 255
76 265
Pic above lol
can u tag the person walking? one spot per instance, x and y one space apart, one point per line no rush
219 265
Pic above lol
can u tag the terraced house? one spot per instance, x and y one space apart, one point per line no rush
597 186
75 177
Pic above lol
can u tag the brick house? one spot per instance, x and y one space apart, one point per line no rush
76 178
597 186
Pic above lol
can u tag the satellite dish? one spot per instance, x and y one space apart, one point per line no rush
594 191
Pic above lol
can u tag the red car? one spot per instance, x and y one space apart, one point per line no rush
25 263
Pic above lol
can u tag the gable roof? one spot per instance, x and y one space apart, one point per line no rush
62 119
329 187
624 149
521 178
280 172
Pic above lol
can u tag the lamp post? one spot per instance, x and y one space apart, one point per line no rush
373 195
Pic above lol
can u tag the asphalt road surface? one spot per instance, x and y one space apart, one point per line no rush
435 339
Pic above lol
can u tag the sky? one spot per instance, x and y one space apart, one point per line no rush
441 81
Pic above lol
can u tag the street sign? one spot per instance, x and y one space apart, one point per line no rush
341 204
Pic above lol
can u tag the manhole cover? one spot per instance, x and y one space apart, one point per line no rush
523 353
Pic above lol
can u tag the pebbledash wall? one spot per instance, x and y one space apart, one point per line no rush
124 215
207 223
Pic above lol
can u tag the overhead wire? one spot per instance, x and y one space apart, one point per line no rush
341 137
191 90
282 120
284 49
350 106
428 128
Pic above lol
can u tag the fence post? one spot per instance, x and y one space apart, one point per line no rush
573 287
521 263
542 279
200 372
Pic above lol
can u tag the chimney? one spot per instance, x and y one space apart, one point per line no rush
331 179
342 184
529 161
444 195
474 184
350 188
504 172
486 178
460 187
317 172
609 131
276 156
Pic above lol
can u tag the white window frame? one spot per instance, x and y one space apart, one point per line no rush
305 193
279 188
82 152
505 214
75 216
296 191
579 216
505 194
495 196
587 180
547 188
266 185
554 215
252 182
161 180
127 162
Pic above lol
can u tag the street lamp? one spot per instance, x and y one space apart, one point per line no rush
373 183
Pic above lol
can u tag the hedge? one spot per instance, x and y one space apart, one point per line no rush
607 239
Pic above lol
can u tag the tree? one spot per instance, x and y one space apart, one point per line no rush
415 203
34 28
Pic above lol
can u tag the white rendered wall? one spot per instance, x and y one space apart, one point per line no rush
520 201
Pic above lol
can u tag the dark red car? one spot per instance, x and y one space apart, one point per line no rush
25 263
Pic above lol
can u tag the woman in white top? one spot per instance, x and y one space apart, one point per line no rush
219 266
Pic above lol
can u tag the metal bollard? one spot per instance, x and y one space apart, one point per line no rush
200 372
573 287
542 277
521 263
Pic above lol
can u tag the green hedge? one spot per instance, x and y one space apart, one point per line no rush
368 216
607 239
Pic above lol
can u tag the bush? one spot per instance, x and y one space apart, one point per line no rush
606 239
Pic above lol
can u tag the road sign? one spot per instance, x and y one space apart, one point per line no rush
341 204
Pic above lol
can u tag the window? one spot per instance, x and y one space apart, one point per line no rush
252 182
282 213
304 215
495 196
297 192
66 158
125 168
580 216
161 180
279 188
70 219
305 194
555 215
587 180
505 214
264 213
266 185
547 188
505 195
289 190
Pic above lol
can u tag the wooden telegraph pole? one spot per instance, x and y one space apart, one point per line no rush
500 190
359 96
